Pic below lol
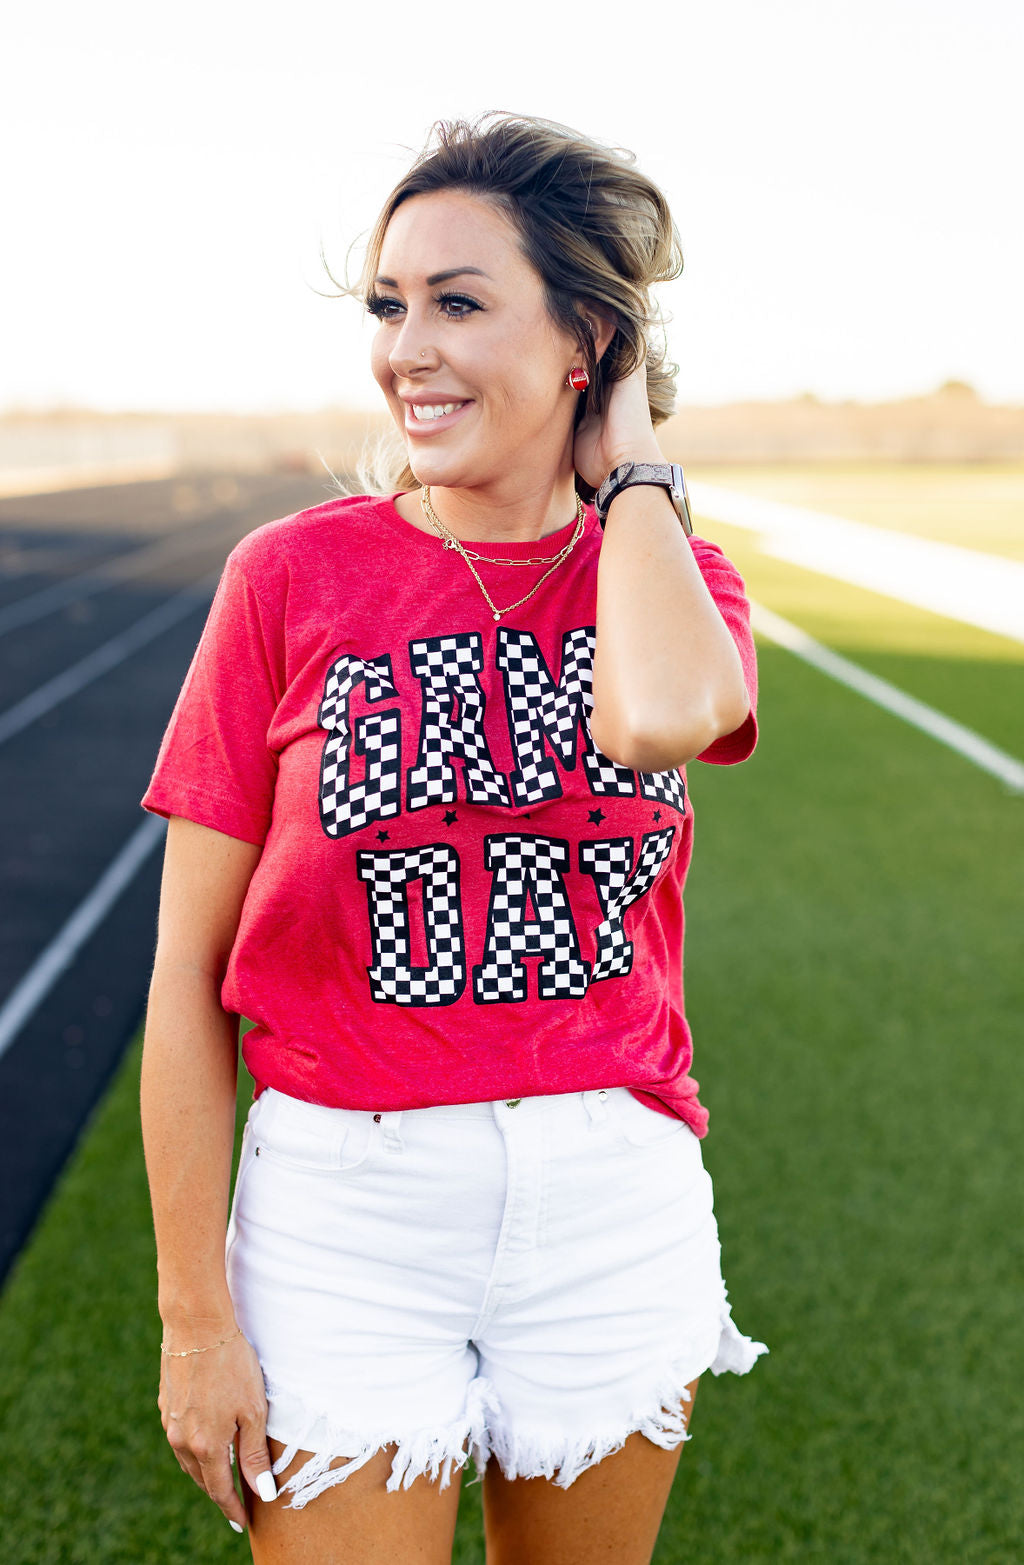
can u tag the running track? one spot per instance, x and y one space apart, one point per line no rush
103 595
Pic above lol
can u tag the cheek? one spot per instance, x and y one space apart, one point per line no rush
539 374
379 366
534 390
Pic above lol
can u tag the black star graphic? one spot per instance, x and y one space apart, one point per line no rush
597 816
449 816
382 836
657 815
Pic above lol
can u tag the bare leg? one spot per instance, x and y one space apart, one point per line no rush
611 1513
357 1522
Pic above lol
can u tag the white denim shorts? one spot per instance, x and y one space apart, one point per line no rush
532 1279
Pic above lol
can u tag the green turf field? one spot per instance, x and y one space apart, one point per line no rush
855 989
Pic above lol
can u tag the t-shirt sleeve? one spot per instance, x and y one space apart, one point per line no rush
215 764
727 587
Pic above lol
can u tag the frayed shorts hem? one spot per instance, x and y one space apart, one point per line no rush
541 1452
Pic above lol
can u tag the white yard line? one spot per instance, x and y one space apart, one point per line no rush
986 590
107 656
964 740
58 956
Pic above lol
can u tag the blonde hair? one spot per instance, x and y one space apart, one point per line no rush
596 230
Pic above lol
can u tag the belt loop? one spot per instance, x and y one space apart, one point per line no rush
597 1105
391 1126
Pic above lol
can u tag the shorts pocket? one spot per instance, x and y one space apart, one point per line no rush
312 1138
643 1126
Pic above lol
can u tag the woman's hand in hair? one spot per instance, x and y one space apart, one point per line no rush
622 433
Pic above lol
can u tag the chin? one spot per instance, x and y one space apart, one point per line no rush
442 474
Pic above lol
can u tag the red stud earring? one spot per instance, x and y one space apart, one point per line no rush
578 378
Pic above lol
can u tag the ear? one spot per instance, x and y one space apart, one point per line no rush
604 326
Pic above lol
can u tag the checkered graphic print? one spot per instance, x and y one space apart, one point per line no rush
536 706
346 807
667 787
610 863
518 864
387 875
446 667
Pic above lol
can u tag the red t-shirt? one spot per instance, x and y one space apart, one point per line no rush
459 898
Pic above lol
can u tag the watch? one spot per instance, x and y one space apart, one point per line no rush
668 475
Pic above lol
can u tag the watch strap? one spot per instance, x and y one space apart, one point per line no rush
667 475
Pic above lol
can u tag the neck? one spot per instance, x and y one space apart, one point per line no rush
477 515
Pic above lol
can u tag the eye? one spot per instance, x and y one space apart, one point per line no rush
467 305
457 306
379 306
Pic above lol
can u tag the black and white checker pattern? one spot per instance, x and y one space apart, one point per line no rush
448 666
610 863
666 787
536 707
345 806
519 863
388 874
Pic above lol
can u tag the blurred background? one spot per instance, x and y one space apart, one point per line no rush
848 326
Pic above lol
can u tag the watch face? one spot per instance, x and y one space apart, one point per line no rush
681 504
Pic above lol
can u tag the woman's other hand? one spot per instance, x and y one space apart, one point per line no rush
622 433
208 1402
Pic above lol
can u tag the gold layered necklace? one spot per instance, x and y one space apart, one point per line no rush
450 541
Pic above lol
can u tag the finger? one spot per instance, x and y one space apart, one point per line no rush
186 1461
219 1484
237 1526
254 1460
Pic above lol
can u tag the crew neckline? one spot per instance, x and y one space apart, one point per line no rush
519 549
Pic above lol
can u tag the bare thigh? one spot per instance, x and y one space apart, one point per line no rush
612 1512
357 1522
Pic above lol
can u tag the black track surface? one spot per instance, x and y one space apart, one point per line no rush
71 781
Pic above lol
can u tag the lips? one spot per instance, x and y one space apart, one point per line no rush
433 423
425 411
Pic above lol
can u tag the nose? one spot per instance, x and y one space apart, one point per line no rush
411 349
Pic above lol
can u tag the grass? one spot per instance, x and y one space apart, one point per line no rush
967 673
854 987
855 990
976 505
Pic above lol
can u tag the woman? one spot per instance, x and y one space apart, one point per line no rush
428 832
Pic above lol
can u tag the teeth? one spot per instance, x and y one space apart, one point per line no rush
426 410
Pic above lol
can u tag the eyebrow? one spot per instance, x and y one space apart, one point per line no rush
438 277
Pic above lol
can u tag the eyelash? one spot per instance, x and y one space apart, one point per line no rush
378 304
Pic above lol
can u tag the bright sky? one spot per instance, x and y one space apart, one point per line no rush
845 178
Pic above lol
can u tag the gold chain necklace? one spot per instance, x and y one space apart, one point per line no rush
450 541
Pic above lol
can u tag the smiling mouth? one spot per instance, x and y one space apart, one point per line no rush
429 410
426 416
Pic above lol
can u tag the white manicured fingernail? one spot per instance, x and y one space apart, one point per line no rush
266 1488
235 1525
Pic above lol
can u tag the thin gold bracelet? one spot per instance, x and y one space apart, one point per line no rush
186 1351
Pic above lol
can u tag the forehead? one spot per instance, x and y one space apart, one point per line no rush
446 229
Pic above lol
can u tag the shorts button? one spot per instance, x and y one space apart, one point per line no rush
376 1119
513 1102
603 1093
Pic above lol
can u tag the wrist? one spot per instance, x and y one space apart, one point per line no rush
641 497
648 451
204 1319
636 475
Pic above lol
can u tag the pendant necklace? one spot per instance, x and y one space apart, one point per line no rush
450 541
